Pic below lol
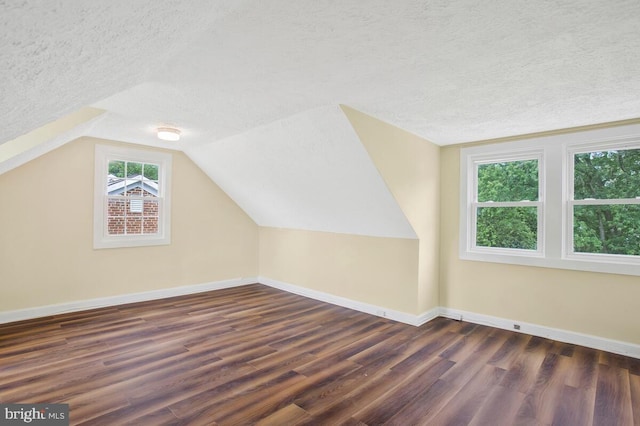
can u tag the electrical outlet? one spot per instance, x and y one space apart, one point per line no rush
516 326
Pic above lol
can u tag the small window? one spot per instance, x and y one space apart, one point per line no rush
132 197
507 203
604 206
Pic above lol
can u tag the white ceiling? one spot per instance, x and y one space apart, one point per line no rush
447 70
450 71
314 149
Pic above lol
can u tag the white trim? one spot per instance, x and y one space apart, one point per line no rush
556 217
367 308
570 202
425 317
601 343
572 337
469 203
82 305
106 153
604 202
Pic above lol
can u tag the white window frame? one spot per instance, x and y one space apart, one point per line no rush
556 186
103 155
474 161
624 144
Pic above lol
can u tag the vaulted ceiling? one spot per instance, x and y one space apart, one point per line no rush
230 73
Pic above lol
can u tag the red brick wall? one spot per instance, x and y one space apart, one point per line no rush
122 220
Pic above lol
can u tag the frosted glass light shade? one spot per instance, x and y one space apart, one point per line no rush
168 134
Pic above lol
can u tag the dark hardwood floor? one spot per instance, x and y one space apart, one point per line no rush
256 355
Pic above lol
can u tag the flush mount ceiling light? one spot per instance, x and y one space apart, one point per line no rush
168 134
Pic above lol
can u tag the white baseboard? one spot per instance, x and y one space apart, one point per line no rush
614 346
572 337
81 305
425 317
403 317
595 342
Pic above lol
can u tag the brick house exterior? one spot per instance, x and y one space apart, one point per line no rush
132 206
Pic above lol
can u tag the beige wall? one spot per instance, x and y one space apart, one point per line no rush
604 305
399 274
379 271
46 231
410 167
47 255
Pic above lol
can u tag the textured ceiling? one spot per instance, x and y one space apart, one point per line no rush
447 70
223 71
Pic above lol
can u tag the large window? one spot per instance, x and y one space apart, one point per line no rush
604 208
568 201
131 197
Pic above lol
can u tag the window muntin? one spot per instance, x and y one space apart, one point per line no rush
506 211
604 203
128 188
132 193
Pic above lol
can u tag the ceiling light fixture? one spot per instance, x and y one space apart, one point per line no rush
168 134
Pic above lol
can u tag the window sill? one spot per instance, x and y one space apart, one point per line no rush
590 264
134 241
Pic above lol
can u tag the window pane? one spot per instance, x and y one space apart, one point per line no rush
134 225
613 229
507 227
150 225
115 225
115 177
150 188
508 181
115 186
151 171
607 174
150 207
115 216
134 169
116 168
134 187
150 181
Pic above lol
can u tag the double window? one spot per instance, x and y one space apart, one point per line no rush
131 203
556 201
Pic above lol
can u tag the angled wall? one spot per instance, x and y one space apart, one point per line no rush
46 229
396 273
410 166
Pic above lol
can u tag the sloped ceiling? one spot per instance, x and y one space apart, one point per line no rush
309 171
450 71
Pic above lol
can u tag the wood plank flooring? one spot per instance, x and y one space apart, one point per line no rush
256 355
